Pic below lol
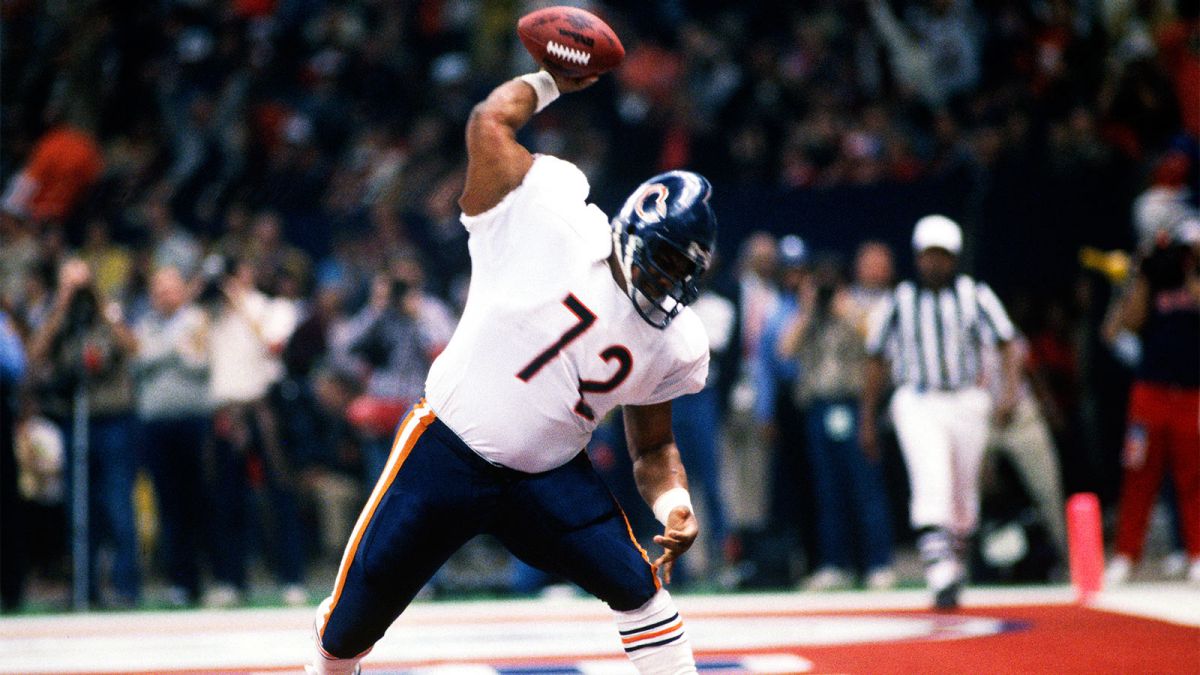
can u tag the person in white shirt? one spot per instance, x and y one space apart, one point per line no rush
249 331
567 317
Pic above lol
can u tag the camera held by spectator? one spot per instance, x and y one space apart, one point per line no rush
214 272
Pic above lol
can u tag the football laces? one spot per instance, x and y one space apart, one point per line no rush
576 56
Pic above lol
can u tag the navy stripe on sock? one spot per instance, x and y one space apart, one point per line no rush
653 644
664 622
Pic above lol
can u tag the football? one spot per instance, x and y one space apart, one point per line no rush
570 42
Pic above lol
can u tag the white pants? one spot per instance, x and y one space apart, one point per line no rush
942 435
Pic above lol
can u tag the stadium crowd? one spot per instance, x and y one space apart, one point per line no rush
229 244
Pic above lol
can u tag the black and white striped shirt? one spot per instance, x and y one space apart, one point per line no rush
934 338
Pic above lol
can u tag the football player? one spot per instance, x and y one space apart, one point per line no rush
567 317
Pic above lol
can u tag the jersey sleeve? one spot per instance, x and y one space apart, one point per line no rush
690 356
993 314
550 180
686 380
881 325
539 231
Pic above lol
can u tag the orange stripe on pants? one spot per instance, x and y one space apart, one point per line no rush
645 556
411 428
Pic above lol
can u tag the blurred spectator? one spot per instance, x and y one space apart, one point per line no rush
62 168
1176 40
170 244
874 270
83 343
823 338
171 375
774 376
436 318
37 296
275 261
697 420
236 235
1161 305
1028 445
12 516
1141 109
390 238
746 460
791 494
444 245
1054 372
249 331
935 54
311 403
333 469
19 256
111 263
41 479
395 338
1167 203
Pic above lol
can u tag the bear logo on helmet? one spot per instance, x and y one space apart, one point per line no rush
657 192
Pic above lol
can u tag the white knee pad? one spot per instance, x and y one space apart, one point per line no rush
653 638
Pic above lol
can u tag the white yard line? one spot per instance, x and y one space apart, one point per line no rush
573 628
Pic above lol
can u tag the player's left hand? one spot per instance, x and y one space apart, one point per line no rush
676 539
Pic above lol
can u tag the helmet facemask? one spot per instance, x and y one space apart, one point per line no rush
661 275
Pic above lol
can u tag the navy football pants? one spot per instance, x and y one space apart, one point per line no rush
435 494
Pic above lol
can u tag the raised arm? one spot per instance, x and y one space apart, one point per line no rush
659 473
496 162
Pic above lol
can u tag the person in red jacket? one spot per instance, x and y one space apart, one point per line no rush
64 165
1161 306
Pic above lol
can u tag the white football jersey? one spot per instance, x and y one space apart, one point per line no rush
548 342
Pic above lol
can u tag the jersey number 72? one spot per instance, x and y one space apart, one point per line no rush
616 353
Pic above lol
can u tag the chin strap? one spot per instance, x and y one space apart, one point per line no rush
624 259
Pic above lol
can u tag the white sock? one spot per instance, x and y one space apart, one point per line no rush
653 638
942 566
324 665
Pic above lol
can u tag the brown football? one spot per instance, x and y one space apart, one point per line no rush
570 41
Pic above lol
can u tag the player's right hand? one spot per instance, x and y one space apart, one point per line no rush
570 85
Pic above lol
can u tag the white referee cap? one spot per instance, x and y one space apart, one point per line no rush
937 231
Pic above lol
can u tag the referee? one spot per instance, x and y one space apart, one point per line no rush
932 330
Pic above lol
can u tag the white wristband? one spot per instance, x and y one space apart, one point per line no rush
544 86
668 501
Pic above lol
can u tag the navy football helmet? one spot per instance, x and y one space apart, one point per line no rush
664 236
